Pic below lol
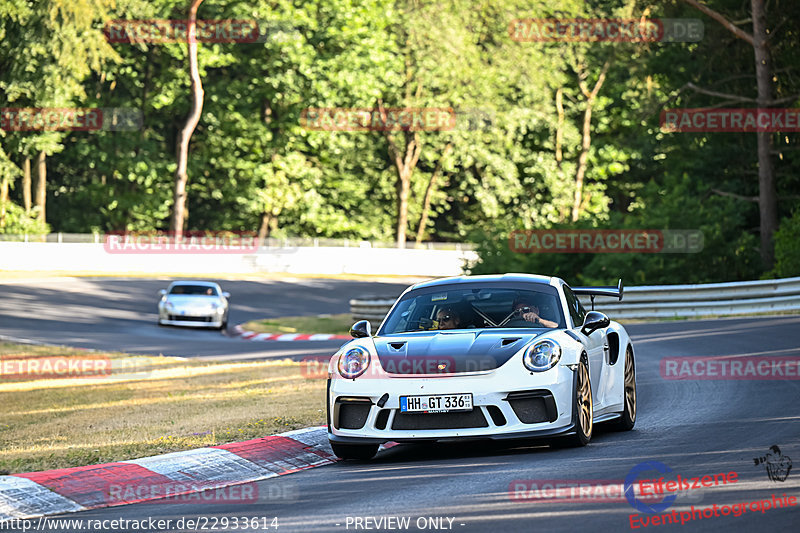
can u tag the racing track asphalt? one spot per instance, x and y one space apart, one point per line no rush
695 427
120 314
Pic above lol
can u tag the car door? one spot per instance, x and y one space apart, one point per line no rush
596 348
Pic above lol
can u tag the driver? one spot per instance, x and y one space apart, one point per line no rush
527 310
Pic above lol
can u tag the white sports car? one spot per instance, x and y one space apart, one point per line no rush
193 303
482 357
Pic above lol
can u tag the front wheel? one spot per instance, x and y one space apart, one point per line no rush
628 416
359 452
583 408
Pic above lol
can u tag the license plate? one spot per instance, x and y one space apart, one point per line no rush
437 403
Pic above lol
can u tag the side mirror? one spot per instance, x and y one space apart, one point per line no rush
594 320
162 293
226 295
361 329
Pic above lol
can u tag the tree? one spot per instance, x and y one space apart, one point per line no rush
586 134
47 49
185 135
759 40
404 156
429 190
459 55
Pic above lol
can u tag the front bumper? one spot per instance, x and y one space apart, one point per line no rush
199 320
506 405
192 323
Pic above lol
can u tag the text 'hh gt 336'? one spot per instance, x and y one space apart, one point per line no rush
482 357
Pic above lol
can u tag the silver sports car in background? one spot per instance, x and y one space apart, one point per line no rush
193 303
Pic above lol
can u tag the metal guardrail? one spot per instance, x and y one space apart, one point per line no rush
372 310
710 299
664 301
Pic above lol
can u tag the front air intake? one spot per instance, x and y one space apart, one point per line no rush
351 413
533 407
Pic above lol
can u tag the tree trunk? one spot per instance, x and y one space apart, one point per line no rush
403 188
181 176
560 125
586 144
26 185
426 204
267 226
405 164
41 186
3 200
767 195
586 141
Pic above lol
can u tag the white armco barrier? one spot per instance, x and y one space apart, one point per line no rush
666 301
95 257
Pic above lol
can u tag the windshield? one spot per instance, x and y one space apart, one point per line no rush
451 308
204 290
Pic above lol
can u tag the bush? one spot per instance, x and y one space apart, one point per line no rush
17 222
787 248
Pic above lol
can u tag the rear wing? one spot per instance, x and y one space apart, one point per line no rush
614 292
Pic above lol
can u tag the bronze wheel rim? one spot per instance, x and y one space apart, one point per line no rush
630 386
584 400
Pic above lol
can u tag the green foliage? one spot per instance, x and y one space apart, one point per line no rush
17 222
251 159
787 248
679 204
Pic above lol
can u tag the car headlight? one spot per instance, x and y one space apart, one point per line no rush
170 306
541 356
353 362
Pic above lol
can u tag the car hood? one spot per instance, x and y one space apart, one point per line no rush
450 352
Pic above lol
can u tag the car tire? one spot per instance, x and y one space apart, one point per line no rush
627 417
583 407
358 452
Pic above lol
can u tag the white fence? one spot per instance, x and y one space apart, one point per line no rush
665 301
269 242
363 258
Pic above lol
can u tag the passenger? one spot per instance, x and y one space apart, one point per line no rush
448 318
527 310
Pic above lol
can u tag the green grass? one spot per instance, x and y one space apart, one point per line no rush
336 324
147 406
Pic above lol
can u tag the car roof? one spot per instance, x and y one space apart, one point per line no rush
492 278
205 283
